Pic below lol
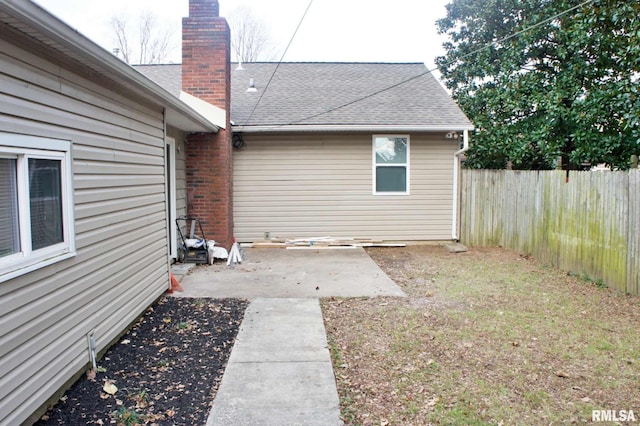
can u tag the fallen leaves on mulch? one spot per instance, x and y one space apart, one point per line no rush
164 371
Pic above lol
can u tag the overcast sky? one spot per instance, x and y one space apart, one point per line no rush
333 30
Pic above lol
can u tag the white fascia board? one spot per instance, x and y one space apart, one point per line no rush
349 128
215 115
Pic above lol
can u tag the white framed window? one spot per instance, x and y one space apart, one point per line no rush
36 203
391 164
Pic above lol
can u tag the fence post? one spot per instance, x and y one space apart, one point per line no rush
633 252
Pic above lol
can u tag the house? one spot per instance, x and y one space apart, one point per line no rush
89 150
339 149
346 150
96 161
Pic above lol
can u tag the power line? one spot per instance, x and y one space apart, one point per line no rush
280 61
370 95
428 71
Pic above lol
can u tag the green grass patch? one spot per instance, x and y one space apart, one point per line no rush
485 337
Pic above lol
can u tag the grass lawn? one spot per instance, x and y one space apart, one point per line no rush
485 337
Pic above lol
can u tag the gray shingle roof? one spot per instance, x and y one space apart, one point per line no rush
304 93
167 76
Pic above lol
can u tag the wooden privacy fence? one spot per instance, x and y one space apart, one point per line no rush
588 223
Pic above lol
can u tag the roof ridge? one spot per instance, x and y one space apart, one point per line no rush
333 62
153 65
296 63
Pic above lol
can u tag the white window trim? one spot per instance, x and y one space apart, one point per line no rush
23 147
375 165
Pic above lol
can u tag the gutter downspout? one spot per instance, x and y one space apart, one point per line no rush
457 193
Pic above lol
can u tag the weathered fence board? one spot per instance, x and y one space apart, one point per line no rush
586 223
633 257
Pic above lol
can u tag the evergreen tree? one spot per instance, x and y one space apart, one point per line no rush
546 79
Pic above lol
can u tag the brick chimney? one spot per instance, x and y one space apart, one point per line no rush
206 75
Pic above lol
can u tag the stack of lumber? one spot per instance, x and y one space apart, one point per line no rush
321 242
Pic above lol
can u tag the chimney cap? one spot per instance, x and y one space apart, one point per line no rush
204 9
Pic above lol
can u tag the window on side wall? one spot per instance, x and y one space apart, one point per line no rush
36 206
391 164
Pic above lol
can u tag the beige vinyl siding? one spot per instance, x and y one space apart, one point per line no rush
322 185
181 176
181 170
121 264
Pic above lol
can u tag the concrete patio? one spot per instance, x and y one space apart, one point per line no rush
282 273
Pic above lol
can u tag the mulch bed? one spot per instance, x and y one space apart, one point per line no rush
166 368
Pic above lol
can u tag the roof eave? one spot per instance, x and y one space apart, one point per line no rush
350 128
94 56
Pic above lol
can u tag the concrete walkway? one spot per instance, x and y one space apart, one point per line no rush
279 372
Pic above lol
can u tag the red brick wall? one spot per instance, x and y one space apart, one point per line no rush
206 75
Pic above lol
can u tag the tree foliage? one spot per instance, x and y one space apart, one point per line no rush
568 88
250 40
145 43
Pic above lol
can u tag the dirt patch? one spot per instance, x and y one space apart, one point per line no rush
485 337
165 370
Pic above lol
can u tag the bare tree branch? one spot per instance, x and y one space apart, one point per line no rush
250 40
119 27
150 43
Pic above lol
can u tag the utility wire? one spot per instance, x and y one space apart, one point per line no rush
473 52
280 61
